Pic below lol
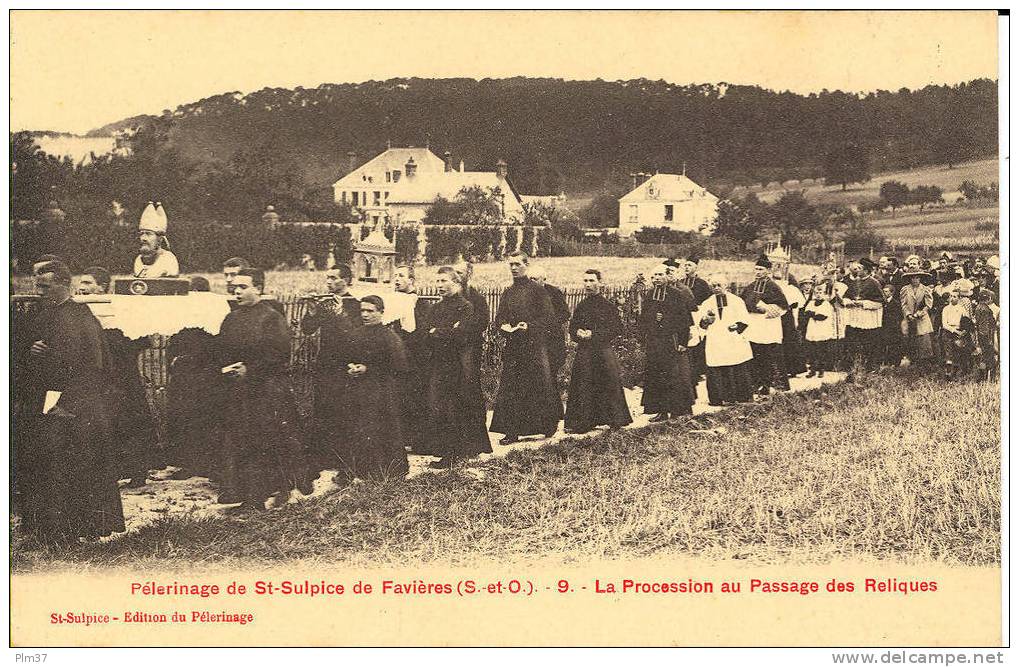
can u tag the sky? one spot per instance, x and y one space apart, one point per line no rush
77 70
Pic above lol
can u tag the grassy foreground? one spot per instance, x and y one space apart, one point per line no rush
894 467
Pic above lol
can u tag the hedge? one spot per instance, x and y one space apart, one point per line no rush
202 247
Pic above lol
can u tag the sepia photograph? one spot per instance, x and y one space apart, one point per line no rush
507 328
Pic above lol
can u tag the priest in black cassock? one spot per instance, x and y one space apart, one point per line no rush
481 315
263 454
132 417
374 446
556 335
413 383
528 401
664 322
596 389
65 461
701 291
453 418
334 317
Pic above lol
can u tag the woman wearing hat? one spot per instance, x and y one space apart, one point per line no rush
917 299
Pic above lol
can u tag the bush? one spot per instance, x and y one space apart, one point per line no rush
407 244
972 192
527 240
861 239
513 237
202 247
443 244
873 206
925 194
544 241
666 235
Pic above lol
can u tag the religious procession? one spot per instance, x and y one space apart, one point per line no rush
398 373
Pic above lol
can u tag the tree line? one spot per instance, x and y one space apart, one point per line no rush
581 136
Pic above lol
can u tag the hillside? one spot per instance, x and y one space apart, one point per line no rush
982 172
584 135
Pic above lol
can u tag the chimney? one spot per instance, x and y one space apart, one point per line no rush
501 169
448 159
410 167
352 156
461 166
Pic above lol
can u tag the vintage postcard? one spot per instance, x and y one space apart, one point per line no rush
507 328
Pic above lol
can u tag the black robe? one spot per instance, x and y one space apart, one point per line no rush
453 408
556 335
891 331
482 318
65 467
700 290
596 388
334 324
195 405
699 287
667 377
792 341
528 401
263 453
132 417
374 448
414 383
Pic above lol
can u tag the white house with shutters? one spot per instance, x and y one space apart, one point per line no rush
667 200
400 184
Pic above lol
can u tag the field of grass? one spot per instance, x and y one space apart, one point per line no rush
937 222
982 172
563 272
836 473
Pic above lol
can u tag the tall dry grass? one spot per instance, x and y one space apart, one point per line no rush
897 467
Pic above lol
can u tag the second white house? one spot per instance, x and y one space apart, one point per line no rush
667 200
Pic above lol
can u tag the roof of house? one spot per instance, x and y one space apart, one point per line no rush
667 187
424 188
394 159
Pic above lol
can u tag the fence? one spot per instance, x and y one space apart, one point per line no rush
154 367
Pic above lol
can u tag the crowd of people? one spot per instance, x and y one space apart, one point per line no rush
383 390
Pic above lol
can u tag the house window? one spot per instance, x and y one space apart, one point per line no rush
633 214
396 177
343 197
375 220
668 213
376 198
388 177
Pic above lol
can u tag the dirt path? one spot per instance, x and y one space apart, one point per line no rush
197 496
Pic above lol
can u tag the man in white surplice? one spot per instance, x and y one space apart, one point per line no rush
722 319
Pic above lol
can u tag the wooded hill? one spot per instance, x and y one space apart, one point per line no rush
587 135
